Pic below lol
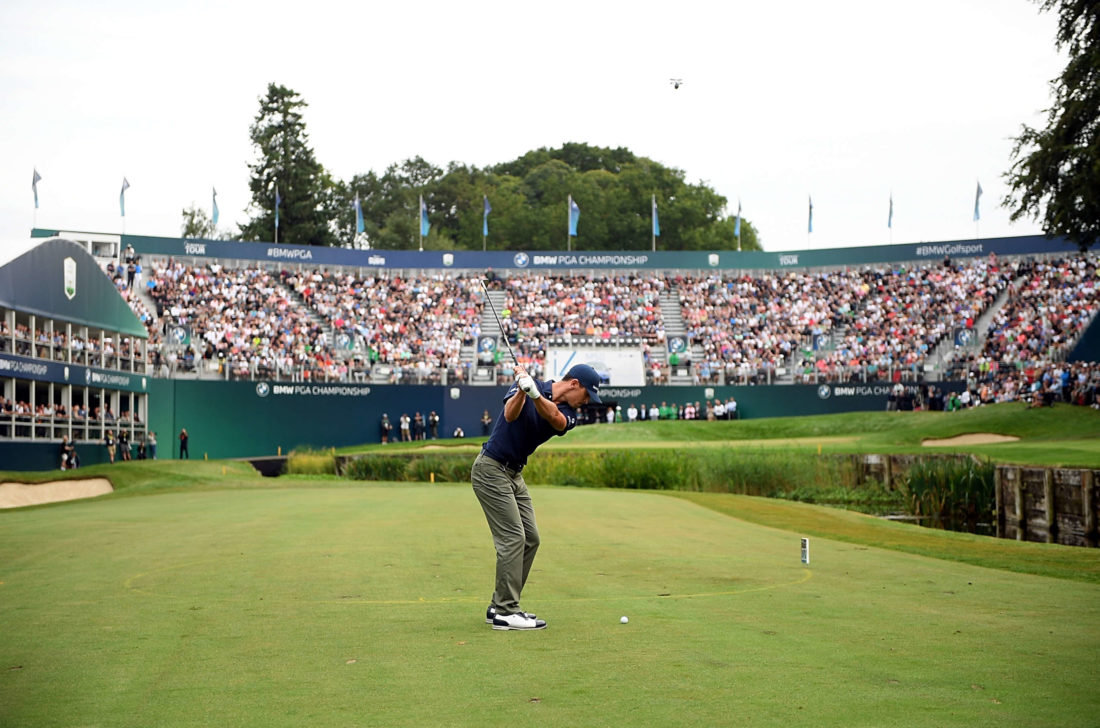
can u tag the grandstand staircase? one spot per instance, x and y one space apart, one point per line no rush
946 352
481 373
673 318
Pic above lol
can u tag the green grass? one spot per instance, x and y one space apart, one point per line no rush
1060 436
314 601
201 594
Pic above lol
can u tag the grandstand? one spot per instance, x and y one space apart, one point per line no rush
335 337
73 356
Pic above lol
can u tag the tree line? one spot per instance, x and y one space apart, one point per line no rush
528 196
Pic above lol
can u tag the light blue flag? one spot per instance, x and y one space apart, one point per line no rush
214 217
737 222
486 209
811 223
358 215
574 216
656 222
278 201
122 197
890 220
34 186
977 201
425 226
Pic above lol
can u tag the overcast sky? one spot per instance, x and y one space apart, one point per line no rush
844 101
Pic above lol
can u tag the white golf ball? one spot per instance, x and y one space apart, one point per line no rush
624 620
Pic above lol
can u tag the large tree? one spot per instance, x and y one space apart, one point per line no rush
197 224
1056 173
284 160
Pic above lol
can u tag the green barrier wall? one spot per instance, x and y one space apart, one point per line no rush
252 419
246 419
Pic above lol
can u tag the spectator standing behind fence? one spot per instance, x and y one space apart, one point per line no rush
184 452
109 441
405 422
433 425
486 423
385 427
152 446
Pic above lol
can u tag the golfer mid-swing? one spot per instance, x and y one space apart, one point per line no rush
534 412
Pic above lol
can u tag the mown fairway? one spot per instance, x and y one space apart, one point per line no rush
316 602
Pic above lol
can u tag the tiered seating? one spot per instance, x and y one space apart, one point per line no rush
413 326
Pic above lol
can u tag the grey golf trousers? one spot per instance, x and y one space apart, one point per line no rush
507 504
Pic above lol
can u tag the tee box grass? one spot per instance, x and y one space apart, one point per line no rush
317 602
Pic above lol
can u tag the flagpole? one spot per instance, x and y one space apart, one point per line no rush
810 223
569 224
737 225
652 217
34 187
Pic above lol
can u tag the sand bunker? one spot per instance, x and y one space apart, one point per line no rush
14 495
974 438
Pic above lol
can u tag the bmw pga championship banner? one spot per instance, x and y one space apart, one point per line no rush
44 370
316 256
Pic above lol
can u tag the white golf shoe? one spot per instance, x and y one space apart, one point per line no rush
491 612
519 620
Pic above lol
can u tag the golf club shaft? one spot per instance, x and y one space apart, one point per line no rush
503 334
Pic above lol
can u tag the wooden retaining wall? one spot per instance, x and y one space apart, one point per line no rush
1048 505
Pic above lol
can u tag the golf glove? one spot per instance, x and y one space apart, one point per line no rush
527 384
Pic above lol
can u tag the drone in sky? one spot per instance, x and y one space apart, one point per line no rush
676 82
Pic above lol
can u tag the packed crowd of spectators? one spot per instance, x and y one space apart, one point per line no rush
241 321
1045 313
1029 337
414 324
877 323
599 309
750 324
905 312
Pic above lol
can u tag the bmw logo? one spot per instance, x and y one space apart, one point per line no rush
263 389
487 344
824 391
964 336
677 344
521 260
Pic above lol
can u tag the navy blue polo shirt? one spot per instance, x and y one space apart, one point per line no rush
512 442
